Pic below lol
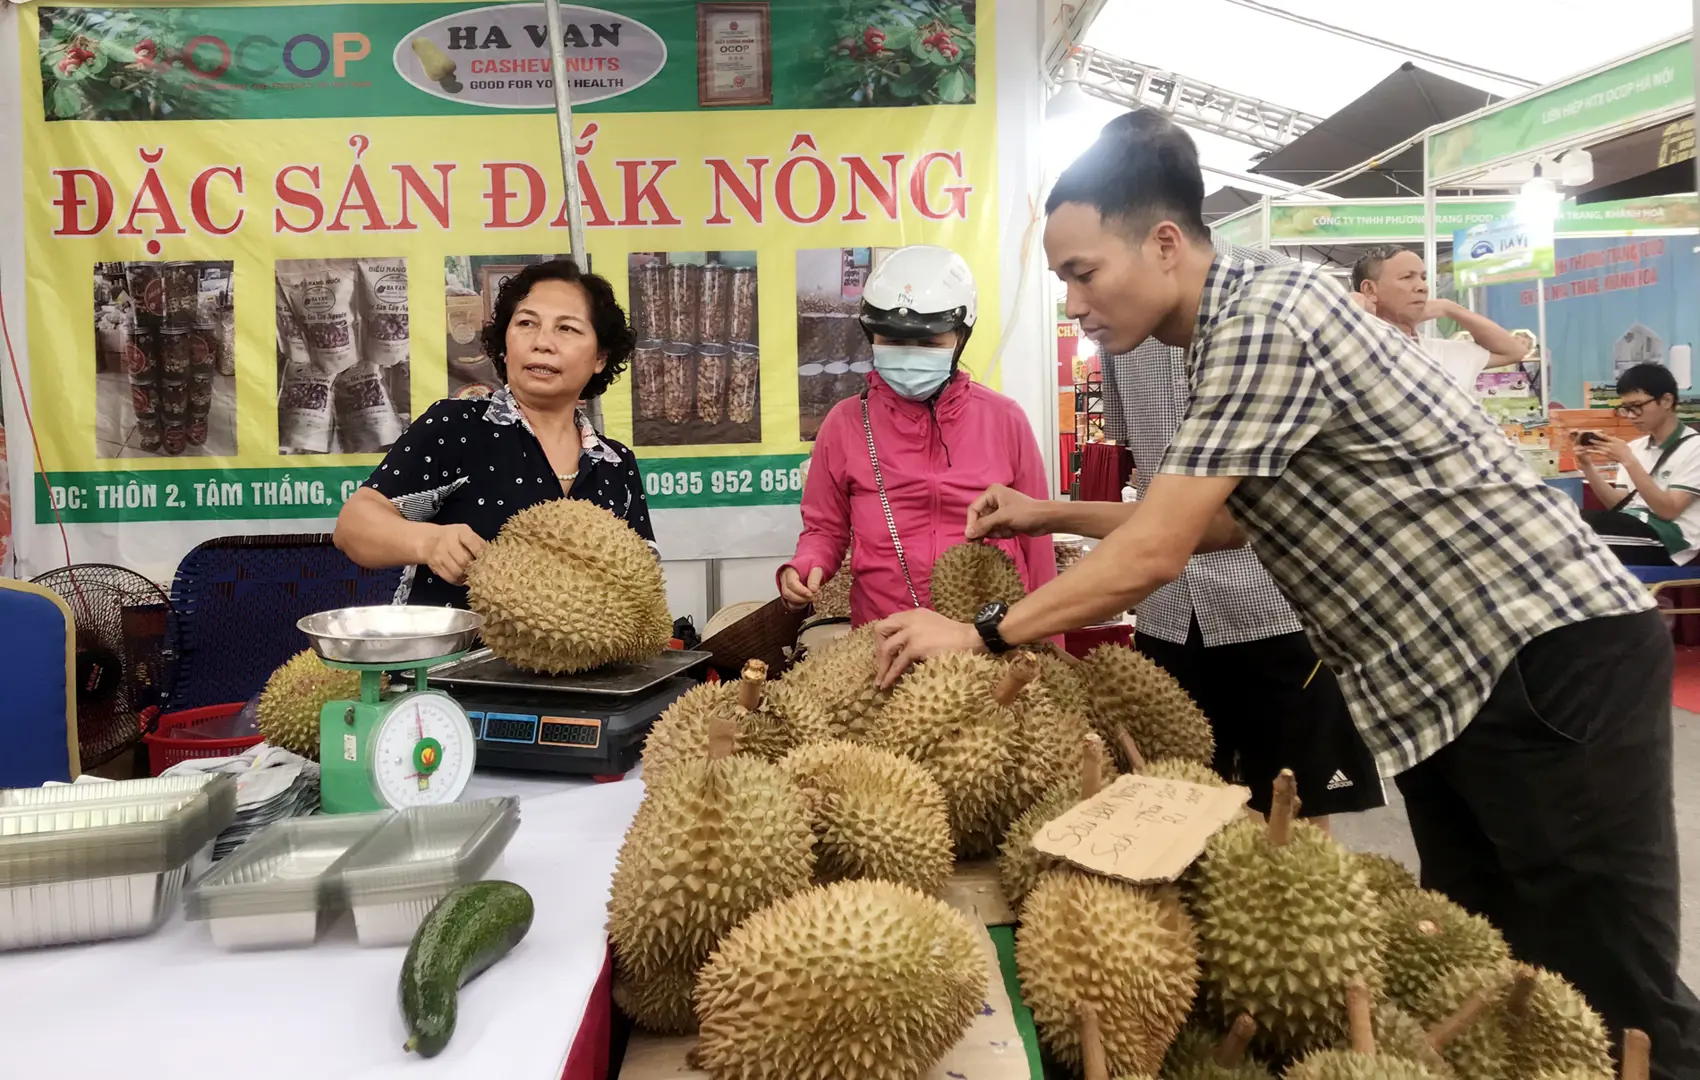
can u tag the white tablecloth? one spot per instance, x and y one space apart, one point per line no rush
174 1006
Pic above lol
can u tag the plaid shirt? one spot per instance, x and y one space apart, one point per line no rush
1420 550
1229 592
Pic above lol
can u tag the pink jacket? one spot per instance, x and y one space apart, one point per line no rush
935 461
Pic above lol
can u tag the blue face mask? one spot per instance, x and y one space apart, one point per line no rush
914 371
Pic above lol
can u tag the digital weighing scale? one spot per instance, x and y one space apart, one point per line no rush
592 723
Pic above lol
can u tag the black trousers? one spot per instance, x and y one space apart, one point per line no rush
1613 527
1552 817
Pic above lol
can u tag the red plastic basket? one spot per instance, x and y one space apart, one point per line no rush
165 751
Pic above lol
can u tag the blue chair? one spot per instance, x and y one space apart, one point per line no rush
235 602
38 725
1659 578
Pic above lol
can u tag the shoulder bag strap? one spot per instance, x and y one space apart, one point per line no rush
885 503
1625 501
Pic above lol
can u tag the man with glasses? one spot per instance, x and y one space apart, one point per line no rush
1652 516
1392 284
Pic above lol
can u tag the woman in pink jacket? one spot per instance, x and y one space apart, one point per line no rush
913 450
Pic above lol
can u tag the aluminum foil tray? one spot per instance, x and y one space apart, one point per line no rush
282 887
394 879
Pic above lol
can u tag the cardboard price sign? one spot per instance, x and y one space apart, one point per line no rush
1142 828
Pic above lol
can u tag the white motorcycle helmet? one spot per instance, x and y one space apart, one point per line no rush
920 291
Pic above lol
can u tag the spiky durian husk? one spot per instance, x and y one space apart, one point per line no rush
294 695
832 599
660 1003
1388 877
1019 863
1130 693
841 682
943 715
1574 1074
1060 675
858 979
1181 769
1283 930
967 577
566 586
1193 1057
1345 1065
1129 952
1558 1031
783 720
1483 1051
876 816
1427 936
718 841
1399 1034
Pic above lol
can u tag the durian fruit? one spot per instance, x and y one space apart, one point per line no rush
1400 1034
1388 877
841 681
967 577
1362 1060
1019 863
1482 1051
952 715
861 979
832 599
718 840
1552 1028
1128 692
290 703
659 1003
1061 678
1182 769
1427 936
1636 1062
1128 952
1285 923
1199 1055
768 720
876 815
1095 1062
566 586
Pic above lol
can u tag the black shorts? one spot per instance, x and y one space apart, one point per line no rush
1272 707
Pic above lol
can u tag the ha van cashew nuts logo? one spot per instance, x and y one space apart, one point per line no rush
498 57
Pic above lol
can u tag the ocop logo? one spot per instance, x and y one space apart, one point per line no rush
498 57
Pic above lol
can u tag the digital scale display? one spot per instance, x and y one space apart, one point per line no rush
524 729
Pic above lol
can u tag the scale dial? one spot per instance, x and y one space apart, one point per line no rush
422 752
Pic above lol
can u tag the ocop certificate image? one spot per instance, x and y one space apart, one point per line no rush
734 55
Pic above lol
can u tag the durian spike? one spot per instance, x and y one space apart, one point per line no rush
722 738
1462 1020
1092 1044
1518 1001
1358 1009
751 685
1637 1055
1230 1052
1283 809
1015 679
1091 772
1135 760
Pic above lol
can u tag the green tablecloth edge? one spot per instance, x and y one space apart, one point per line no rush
1003 937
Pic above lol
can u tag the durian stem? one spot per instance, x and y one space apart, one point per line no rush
751 685
1092 1045
1283 809
1015 679
1357 1008
1135 760
1461 1020
1091 767
722 738
1231 1051
1637 1055
1518 1001
1062 654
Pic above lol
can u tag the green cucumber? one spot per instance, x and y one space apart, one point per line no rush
471 928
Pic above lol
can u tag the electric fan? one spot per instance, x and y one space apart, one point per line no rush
120 621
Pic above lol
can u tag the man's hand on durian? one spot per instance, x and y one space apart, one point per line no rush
794 592
449 551
1002 512
910 637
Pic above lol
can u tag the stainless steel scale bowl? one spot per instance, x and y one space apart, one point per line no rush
398 634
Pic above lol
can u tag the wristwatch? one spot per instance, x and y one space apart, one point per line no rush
988 622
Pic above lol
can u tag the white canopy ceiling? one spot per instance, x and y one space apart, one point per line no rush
1318 72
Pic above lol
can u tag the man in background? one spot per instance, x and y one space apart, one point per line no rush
1392 283
1224 631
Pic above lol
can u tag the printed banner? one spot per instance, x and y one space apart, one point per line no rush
1396 221
1643 87
1510 249
350 184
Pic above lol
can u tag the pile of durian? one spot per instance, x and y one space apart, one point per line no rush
778 894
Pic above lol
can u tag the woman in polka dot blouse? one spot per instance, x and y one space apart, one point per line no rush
558 338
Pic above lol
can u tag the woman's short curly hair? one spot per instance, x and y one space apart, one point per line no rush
614 335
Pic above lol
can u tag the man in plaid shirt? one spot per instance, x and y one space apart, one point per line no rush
1223 629
1495 655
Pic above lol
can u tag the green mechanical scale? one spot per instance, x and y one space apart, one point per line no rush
392 749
